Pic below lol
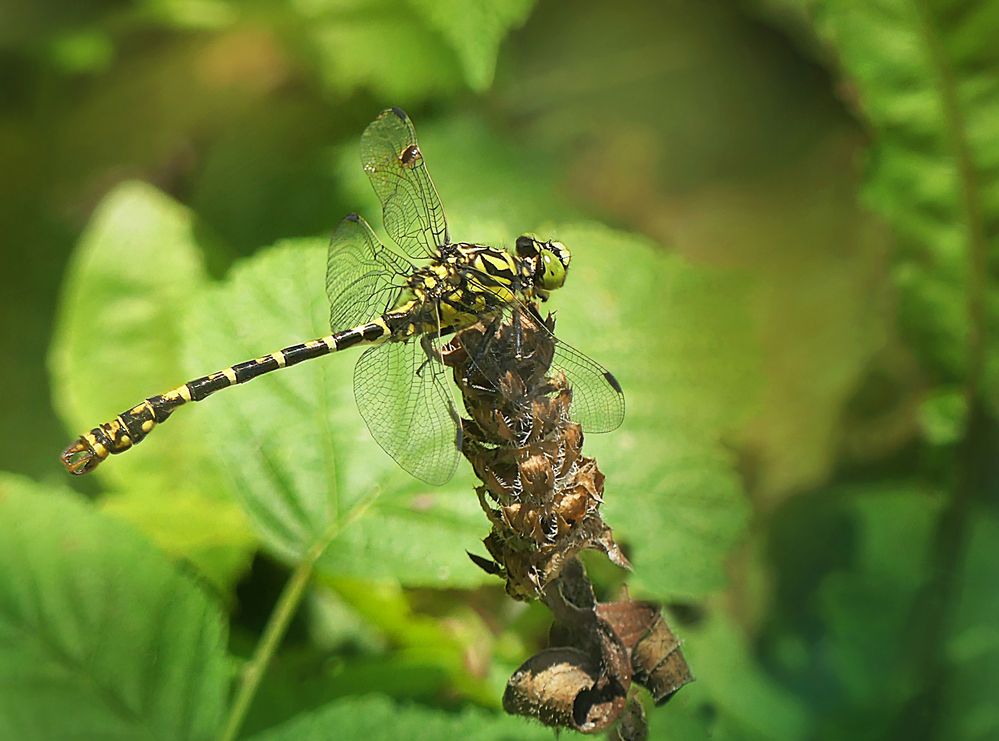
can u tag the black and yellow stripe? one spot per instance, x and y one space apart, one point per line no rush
131 426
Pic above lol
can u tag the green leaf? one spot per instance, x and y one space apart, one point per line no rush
100 636
474 29
118 332
198 15
943 416
451 646
304 463
117 341
297 449
860 661
852 649
381 45
868 605
213 534
973 645
679 342
748 705
925 76
82 51
373 717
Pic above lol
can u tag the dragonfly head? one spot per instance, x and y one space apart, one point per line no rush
550 262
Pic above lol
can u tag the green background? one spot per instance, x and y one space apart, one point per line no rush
784 216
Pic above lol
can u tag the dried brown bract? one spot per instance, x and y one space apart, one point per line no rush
542 497
541 494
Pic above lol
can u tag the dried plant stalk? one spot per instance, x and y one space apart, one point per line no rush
542 497
541 494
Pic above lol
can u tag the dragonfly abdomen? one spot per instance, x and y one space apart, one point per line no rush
131 426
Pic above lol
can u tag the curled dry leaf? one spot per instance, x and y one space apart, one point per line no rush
598 650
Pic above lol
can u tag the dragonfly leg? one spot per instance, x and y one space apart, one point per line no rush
427 343
487 340
517 335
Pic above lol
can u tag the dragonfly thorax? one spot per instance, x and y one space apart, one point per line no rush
465 284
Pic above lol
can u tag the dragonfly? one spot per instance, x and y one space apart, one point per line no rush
400 303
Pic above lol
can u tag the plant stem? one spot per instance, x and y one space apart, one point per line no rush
280 619
277 624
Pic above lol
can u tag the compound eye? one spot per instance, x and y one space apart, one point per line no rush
525 247
554 271
561 252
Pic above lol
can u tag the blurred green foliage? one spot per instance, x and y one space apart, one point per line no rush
783 215
93 596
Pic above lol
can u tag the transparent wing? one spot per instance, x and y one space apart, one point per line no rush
363 277
597 399
407 405
411 209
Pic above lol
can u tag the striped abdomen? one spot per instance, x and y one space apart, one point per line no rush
131 426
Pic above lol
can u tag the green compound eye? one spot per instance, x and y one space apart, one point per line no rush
554 271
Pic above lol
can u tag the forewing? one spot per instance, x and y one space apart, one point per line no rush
411 209
363 277
408 409
597 399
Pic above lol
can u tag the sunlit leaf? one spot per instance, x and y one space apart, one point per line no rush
374 717
296 447
117 341
474 29
681 349
190 14
100 636
118 334
305 465
380 45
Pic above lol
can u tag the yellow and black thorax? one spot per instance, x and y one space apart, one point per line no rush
466 284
